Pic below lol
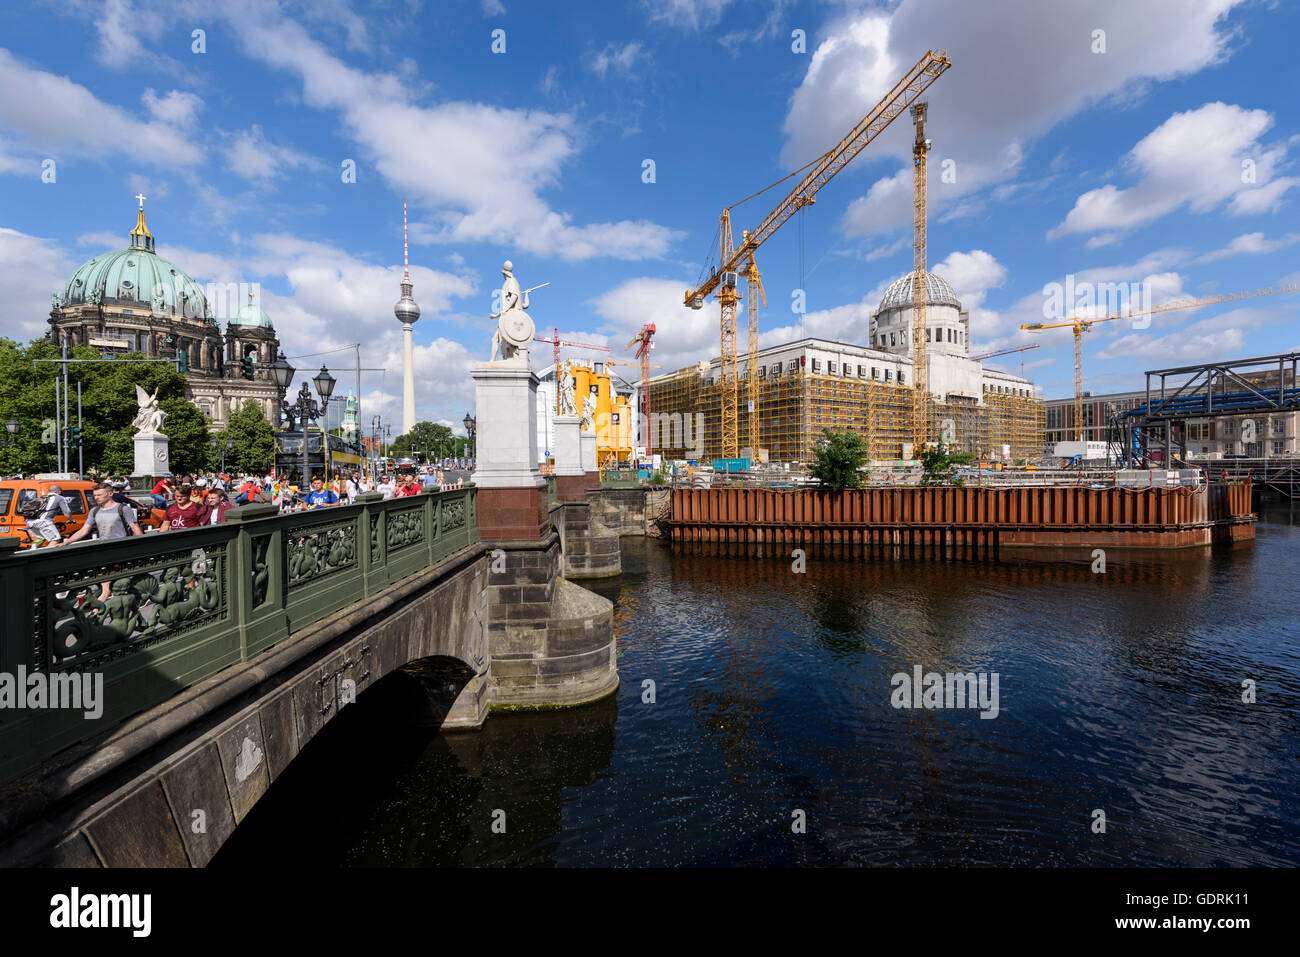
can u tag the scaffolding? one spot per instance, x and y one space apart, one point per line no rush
793 408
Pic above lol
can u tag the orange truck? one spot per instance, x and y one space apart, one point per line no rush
14 493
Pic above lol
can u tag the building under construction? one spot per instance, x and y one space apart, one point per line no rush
812 384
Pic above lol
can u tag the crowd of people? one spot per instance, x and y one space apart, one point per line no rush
189 501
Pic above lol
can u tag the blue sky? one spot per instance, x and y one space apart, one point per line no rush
1117 166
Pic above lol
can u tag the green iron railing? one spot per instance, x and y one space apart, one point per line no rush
620 478
157 613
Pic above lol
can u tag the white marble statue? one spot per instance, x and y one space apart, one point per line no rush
568 404
149 419
514 327
588 412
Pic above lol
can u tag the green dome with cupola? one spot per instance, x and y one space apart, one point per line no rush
137 277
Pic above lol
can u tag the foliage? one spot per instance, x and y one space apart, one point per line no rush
658 477
187 430
937 463
429 439
254 440
837 458
108 405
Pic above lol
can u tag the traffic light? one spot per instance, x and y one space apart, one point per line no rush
247 367
75 437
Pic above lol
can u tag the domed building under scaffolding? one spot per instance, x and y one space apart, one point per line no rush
814 383
135 301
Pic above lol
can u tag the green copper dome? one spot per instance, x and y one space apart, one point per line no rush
251 315
137 277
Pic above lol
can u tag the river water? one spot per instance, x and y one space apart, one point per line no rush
1118 692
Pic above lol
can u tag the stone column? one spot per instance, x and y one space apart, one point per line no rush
511 490
570 473
589 459
152 459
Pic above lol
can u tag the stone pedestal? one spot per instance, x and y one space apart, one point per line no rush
570 475
589 459
152 458
511 500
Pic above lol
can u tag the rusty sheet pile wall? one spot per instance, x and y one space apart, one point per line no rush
966 517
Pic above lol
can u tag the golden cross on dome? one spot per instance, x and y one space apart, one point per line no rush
141 197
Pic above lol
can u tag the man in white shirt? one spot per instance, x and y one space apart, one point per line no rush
387 487
42 528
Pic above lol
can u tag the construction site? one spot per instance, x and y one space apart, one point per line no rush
910 383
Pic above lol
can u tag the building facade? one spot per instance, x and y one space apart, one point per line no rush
812 384
135 301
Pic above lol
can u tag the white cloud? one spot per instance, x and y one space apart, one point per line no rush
616 58
175 107
120 26
1250 244
253 157
688 14
1020 67
37 268
1195 160
54 114
482 167
683 336
1210 339
493 8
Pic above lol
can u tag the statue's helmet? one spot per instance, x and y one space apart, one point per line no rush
508 267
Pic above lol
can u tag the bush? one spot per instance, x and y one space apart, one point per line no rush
837 458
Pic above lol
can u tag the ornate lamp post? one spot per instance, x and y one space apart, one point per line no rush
325 387
12 428
282 375
471 426
229 446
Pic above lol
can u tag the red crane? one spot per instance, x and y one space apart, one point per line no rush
643 344
557 342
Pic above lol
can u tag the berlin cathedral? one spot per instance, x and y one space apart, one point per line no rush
136 301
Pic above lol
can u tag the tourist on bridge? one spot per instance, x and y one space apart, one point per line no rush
43 510
162 491
320 495
217 505
108 519
409 486
386 488
185 512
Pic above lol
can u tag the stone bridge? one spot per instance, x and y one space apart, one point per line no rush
220 652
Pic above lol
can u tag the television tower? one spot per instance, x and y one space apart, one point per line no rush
407 313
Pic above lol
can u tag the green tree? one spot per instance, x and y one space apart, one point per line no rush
938 462
837 458
254 440
108 404
429 439
187 431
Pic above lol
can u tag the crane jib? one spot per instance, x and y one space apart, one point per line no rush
928 69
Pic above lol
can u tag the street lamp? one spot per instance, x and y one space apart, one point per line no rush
282 375
471 426
12 428
228 447
325 386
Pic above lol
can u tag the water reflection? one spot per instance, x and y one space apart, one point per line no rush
1119 691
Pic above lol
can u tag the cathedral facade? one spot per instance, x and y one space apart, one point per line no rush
134 301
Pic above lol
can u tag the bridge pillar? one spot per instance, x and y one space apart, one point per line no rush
570 475
551 642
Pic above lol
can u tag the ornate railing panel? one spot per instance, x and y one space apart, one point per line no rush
156 613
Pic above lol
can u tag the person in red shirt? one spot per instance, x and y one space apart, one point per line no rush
161 492
184 512
409 486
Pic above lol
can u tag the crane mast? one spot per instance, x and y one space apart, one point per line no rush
1080 326
731 260
920 370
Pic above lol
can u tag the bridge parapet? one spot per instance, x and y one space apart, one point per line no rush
149 616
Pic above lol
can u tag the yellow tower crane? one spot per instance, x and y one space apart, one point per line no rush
1080 326
724 277
920 367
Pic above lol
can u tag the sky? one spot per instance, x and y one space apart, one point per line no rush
595 146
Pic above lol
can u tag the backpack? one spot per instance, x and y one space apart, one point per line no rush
34 508
121 517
